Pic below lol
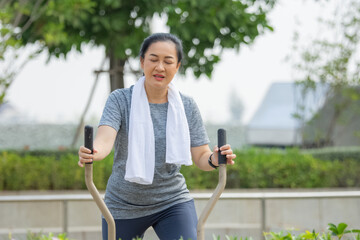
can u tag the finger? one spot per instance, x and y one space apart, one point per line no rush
86 156
227 152
80 164
231 156
84 150
216 148
230 162
225 147
85 160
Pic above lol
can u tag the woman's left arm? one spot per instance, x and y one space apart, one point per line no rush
201 154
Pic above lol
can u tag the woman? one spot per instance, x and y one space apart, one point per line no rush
155 130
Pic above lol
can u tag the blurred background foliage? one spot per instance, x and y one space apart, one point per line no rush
57 27
254 168
28 28
330 61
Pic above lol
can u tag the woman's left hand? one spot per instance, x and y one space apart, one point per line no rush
224 150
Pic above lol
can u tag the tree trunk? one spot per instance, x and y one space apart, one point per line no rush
328 141
339 110
82 119
116 72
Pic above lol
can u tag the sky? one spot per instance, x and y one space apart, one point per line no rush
57 92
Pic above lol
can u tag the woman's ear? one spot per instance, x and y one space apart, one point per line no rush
142 63
178 66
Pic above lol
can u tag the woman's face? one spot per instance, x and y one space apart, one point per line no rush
160 64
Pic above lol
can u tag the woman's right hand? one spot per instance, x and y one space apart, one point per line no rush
85 156
103 143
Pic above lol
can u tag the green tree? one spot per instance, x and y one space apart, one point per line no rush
206 27
332 61
23 22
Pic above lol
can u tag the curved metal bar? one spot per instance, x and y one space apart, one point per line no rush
99 201
211 203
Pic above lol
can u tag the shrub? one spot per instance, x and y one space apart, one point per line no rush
274 168
48 171
335 232
254 168
335 153
41 236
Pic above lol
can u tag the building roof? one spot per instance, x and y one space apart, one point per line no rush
281 102
274 120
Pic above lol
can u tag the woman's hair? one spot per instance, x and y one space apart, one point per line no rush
162 37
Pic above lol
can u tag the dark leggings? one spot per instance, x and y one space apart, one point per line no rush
173 223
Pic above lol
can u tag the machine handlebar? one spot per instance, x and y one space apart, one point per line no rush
89 132
221 142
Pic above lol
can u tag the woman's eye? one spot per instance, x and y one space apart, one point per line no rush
153 60
168 62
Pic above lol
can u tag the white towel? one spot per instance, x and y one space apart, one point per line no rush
140 165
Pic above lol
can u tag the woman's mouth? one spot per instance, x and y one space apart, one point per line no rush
159 77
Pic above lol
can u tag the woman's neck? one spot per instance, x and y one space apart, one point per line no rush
156 95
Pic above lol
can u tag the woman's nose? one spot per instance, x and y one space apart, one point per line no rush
160 66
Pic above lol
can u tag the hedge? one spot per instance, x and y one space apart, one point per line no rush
335 153
254 168
48 171
274 168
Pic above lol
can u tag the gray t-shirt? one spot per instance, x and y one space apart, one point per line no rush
127 200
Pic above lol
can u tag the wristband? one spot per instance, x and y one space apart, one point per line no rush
210 162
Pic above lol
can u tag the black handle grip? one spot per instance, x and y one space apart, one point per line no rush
221 142
89 138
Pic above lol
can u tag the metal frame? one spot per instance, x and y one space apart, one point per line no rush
99 201
211 203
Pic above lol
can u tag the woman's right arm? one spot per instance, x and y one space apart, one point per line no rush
103 144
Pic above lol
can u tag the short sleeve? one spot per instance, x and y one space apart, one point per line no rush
198 134
111 115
